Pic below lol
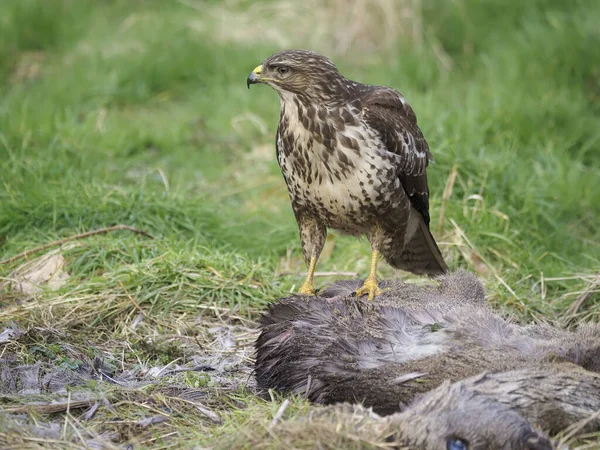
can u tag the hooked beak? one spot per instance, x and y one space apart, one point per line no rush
254 76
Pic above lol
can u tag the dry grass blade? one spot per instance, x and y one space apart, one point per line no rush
142 312
341 426
49 407
280 412
75 237
333 273
581 299
572 431
447 194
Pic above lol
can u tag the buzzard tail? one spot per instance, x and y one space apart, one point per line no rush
420 254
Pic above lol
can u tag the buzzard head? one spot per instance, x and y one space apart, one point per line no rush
298 72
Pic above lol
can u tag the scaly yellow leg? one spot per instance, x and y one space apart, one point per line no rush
308 288
370 286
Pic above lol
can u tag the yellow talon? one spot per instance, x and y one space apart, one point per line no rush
370 286
308 288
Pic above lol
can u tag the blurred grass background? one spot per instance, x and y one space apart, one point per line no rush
137 112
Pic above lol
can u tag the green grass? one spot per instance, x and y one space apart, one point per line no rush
138 113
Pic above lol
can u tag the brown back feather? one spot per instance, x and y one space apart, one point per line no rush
386 111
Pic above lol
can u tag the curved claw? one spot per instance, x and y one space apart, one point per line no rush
307 289
369 287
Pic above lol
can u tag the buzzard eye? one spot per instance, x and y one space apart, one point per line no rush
282 70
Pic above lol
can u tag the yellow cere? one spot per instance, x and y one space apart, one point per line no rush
258 70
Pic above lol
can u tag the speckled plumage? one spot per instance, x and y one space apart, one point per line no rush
353 159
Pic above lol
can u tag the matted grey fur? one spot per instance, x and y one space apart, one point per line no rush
453 416
410 340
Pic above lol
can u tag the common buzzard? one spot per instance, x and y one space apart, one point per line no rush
353 159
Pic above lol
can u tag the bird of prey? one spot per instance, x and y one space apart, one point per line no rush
353 159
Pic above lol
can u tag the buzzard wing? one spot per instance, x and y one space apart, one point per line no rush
386 111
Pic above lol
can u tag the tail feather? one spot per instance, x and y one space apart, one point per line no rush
420 255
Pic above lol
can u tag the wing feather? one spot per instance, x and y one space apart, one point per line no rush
385 110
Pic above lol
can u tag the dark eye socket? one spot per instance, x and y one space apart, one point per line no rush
282 69
454 443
